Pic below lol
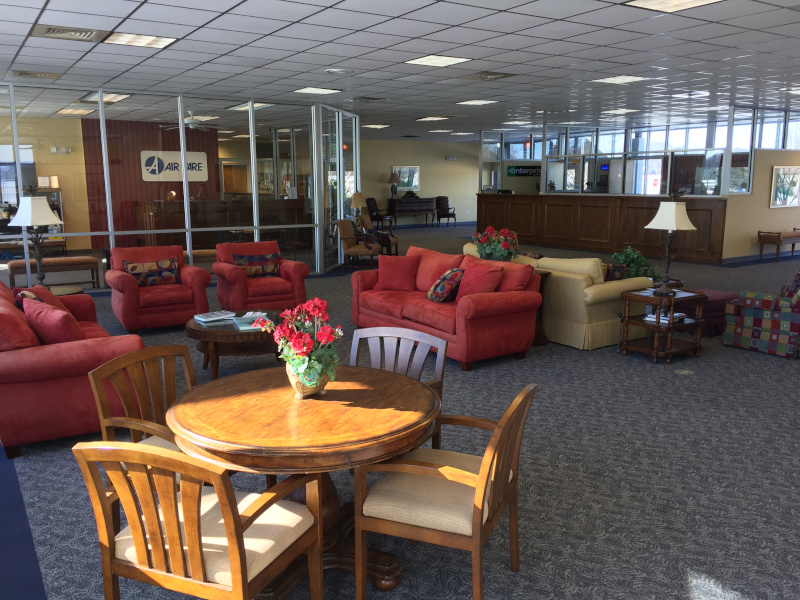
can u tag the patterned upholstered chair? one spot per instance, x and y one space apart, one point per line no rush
764 322
443 211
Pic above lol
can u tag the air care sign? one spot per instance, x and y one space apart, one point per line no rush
166 166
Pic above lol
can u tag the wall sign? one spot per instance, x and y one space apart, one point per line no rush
524 171
166 166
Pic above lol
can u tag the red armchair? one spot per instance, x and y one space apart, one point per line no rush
237 291
143 306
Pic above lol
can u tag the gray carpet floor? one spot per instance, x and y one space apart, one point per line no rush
637 480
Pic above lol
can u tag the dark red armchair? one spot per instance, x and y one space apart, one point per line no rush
160 300
238 291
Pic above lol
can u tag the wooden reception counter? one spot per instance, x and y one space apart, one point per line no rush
605 223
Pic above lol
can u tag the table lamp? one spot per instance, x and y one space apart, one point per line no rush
671 217
35 212
358 203
394 179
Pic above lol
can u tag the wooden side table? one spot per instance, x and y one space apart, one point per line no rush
660 344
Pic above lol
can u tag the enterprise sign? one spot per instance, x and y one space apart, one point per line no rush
524 171
166 166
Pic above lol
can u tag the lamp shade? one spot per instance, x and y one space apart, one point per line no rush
34 212
358 201
394 178
671 216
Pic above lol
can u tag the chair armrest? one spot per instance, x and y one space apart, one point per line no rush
414 467
293 271
610 291
81 306
229 272
196 278
363 281
277 492
476 306
68 359
148 427
461 420
122 282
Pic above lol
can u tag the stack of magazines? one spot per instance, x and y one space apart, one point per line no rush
252 320
214 317
664 317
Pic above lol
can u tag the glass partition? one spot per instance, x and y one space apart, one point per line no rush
491 177
8 181
330 186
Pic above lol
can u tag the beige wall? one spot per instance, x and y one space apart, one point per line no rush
746 214
456 179
70 168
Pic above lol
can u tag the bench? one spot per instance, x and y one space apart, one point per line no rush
201 256
777 238
58 264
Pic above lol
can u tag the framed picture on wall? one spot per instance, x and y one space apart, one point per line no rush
409 178
785 187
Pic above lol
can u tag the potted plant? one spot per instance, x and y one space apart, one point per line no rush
496 245
636 263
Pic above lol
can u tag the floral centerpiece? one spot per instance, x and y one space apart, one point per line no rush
496 245
305 342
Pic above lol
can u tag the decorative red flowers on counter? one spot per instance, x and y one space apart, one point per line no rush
496 245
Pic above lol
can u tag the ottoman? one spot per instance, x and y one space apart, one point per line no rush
713 311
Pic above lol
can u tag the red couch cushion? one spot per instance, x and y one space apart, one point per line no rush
479 277
397 273
42 292
164 295
226 250
438 316
6 294
515 275
51 325
15 333
431 265
386 302
92 330
144 254
267 286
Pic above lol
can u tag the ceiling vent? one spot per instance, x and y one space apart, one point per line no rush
35 75
69 33
487 76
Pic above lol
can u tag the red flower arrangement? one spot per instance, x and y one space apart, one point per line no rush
496 245
305 341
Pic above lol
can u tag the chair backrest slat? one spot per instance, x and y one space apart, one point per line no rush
148 506
415 368
374 352
167 497
117 475
191 492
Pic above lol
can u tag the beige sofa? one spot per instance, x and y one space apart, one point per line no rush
579 308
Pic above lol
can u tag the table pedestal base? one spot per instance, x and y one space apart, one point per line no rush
338 550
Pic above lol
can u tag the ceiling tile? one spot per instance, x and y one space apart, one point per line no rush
271 9
314 32
404 26
209 34
72 19
173 14
333 17
449 13
241 23
507 22
153 28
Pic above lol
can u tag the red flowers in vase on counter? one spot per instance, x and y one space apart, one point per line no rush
305 341
496 245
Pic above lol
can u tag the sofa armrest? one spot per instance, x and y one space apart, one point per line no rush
122 282
492 304
230 273
81 306
68 359
294 272
197 280
612 290
362 281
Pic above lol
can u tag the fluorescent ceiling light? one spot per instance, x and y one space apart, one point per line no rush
691 95
225 130
243 135
440 131
375 126
573 123
338 71
619 111
223 139
669 6
517 123
620 79
76 111
107 98
199 118
433 119
246 106
477 102
313 90
133 39
462 133
434 60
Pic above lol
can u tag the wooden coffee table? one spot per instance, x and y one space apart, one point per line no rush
253 422
223 339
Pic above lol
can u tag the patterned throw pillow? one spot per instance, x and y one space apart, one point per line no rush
259 265
615 272
153 272
446 287
25 294
535 255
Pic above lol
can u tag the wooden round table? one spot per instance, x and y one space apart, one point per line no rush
252 422
223 339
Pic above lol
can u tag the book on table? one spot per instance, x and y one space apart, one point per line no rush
214 316
664 317
252 321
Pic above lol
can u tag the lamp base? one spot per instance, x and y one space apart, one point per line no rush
664 289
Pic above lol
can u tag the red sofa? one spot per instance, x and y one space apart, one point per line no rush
140 307
477 326
44 389
237 291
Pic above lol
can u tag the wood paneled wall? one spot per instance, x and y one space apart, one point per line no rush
126 140
605 223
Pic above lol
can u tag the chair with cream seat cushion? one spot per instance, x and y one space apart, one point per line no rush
446 498
189 530
135 391
355 245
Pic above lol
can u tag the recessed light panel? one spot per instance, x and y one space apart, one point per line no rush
134 39
477 102
669 6
462 133
433 119
107 98
199 118
76 111
619 111
313 90
434 60
517 123
375 126
246 106
441 131
620 79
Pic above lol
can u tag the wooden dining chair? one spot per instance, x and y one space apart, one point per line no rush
145 382
447 498
355 245
401 350
189 530
386 239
